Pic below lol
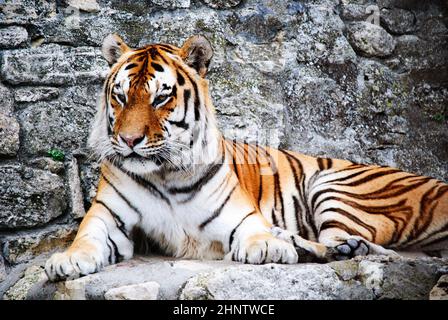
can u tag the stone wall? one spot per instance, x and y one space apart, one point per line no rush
361 80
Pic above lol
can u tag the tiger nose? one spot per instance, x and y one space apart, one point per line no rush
132 140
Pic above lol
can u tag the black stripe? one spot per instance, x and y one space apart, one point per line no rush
142 73
217 212
180 124
304 192
320 162
174 91
197 104
297 208
186 96
300 227
122 196
180 79
355 219
107 102
130 66
117 255
153 52
278 194
144 183
121 225
349 176
274 218
166 48
163 59
382 193
260 189
232 234
111 253
234 152
370 178
157 67
196 187
428 204
338 225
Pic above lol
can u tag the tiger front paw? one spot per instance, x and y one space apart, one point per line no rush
260 249
71 265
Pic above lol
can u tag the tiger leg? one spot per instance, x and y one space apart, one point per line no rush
342 246
252 242
100 241
308 250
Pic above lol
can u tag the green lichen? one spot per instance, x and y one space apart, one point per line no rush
56 154
201 25
439 117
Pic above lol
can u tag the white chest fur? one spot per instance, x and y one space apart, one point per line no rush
171 211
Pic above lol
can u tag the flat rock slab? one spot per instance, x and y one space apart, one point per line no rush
374 277
52 65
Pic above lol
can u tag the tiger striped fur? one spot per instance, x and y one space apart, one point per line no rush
168 173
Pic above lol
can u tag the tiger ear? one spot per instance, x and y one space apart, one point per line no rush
197 53
113 48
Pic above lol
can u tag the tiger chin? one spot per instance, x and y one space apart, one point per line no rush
167 171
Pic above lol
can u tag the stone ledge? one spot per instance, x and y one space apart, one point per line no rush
366 278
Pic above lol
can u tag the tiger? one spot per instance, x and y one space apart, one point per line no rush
168 175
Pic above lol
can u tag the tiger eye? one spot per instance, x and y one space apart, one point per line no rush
121 97
160 99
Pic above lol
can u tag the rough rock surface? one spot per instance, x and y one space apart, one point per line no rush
19 291
34 196
360 80
222 4
25 245
52 65
440 290
7 105
33 94
370 40
142 291
9 135
12 37
84 5
374 277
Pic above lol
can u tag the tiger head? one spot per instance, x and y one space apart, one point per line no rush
155 110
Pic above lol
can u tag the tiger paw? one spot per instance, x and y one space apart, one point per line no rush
356 246
265 249
350 248
71 265
309 251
